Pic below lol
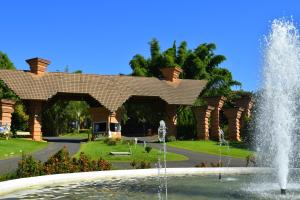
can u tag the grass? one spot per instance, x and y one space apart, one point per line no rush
97 149
211 147
75 135
16 146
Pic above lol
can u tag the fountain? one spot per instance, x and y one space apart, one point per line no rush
223 142
162 132
278 103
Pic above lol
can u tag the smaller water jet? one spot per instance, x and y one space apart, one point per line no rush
162 131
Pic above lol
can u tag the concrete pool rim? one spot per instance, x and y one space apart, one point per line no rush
11 186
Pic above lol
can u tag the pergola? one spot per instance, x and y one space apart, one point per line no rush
105 94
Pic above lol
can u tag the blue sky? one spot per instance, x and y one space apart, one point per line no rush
102 36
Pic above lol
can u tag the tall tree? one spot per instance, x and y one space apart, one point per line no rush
5 62
19 117
200 63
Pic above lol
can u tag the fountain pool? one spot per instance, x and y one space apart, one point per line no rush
185 183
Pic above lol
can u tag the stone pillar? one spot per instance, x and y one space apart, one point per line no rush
7 108
217 103
35 120
171 120
202 115
233 115
101 114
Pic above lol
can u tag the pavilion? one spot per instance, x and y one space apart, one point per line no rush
105 94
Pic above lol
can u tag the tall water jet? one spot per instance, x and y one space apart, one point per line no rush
278 102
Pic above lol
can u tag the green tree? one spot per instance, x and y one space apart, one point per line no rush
19 117
5 62
58 117
199 63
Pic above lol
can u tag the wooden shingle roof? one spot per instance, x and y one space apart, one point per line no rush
109 91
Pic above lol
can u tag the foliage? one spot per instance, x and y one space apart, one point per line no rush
140 165
111 143
5 62
19 118
199 63
148 149
55 119
186 123
58 117
247 132
141 116
61 162
205 164
128 142
28 167
171 138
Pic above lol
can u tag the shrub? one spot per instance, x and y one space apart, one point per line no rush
133 164
106 140
145 165
218 164
112 143
61 162
86 130
103 165
203 164
171 138
129 142
141 165
148 149
83 163
28 166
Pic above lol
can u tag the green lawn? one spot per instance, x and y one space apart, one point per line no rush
210 147
75 135
16 146
97 149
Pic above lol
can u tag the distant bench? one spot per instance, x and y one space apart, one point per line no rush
120 153
22 133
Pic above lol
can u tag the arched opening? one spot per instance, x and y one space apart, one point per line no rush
67 113
142 115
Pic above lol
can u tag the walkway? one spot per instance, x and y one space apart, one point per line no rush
194 158
55 144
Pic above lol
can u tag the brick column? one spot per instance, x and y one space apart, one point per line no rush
35 120
233 115
7 108
217 103
171 120
246 102
202 115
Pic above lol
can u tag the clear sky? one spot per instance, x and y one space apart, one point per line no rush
102 36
